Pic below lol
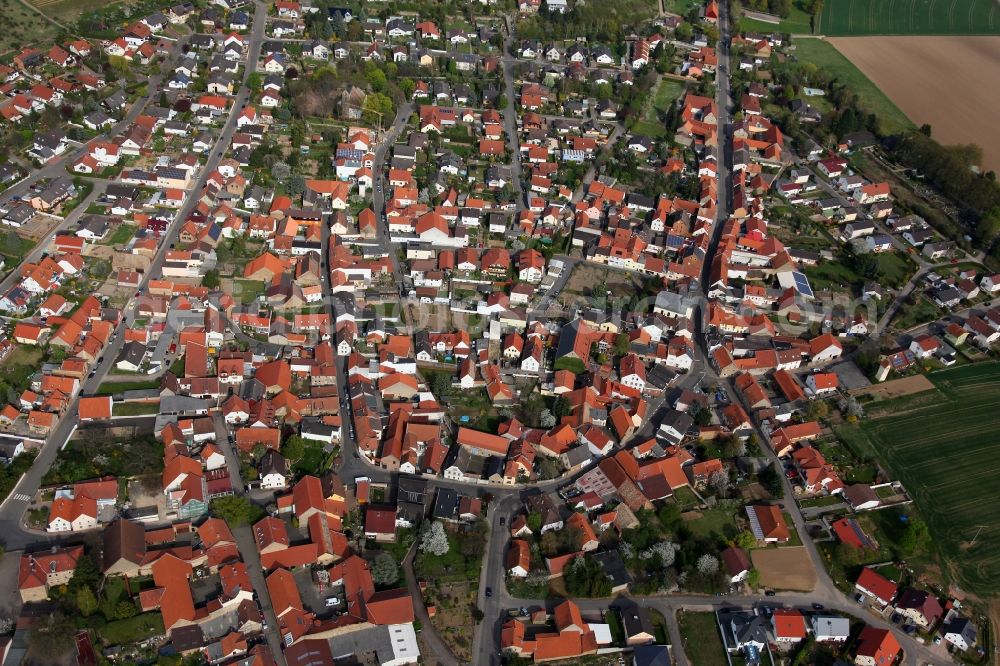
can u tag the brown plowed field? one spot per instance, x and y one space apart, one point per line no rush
948 82
787 568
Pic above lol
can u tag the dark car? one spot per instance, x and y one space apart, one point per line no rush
489 592
770 593
817 606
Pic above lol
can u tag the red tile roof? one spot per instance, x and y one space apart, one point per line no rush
877 584
390 607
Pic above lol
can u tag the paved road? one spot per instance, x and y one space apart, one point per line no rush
248 551
486 646
510 115
378 196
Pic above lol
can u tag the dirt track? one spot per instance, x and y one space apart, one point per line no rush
948 82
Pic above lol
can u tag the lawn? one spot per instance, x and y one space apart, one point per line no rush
19 27
23 361
832 275
111 388
825 56
894 269
666 93
247 291
314 461
651 128
715 524
797 23
122 235
680 6
914 314
135 408
908 17
942 447
686 498
702 642
819 502
137 628
14 247
452 566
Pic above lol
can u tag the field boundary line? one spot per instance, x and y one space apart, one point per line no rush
45 16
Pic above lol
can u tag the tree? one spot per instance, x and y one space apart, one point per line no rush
337 24
719 481
86 602
51 639
407 86
546 419
296 185
377 80
433 539
125 610
378 104
702 415
211 279
585 577
621 344
683 32
753 579
665 550
281 171
86 575
708 565
236 510
818 409
733 447
561 407
914 537
988 228
745 540
771 480
255 81
294 448
534 521
385 571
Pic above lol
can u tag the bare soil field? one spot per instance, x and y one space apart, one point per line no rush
947 82
784 568
38 227
587 277
896 387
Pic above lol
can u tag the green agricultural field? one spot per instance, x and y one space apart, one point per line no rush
841 18
825 56
943 446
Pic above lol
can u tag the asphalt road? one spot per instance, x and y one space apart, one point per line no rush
510 116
